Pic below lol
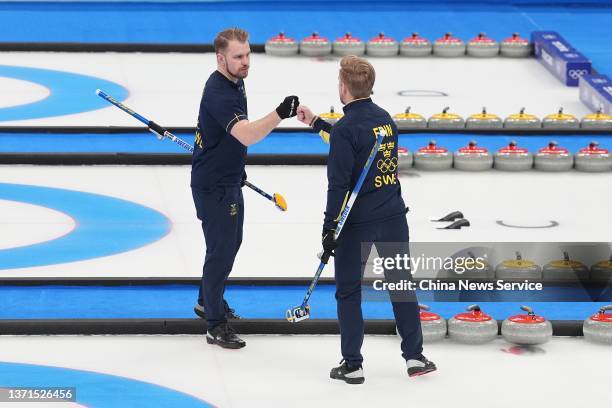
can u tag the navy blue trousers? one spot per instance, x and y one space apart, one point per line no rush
222 214
390 238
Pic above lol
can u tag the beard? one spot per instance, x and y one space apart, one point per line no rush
240 73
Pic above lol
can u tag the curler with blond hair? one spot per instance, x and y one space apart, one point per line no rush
358 75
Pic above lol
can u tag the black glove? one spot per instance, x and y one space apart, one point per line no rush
288 107
243 179
329 245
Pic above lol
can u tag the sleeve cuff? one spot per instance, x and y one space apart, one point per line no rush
321 125
237 118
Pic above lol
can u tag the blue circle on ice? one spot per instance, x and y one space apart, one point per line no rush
104 226
70 93
96 390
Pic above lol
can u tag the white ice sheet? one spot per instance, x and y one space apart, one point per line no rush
281 371
283 245
167 87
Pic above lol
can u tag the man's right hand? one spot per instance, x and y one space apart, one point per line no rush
305 115
288 107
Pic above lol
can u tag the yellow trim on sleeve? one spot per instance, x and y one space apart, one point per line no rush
346 197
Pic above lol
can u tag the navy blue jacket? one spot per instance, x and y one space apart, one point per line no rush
351 141
218 157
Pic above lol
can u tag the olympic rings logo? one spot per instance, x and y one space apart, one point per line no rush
387 165
577 73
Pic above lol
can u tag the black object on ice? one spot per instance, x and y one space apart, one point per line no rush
451 216
458 224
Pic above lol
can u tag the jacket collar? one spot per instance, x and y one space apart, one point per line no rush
354 103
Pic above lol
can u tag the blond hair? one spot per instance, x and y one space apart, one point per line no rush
227 35
358 75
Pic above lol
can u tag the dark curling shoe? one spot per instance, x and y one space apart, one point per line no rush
348 374
224 335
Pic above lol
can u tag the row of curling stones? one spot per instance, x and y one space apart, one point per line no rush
598 327
486 120
477 327
509 158
565 269
412 46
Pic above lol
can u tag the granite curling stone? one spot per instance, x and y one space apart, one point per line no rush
560 121
597 121
433 325
446 120
315 46
515 47
409 120
331 117
528 329
473 327
553 158
482 46
517 270
598 328
522 120
473 158
513 158
348 45
593 159
565 270
484 120
281 46
602 271
449 46
415 46
382 46
405 158
433 158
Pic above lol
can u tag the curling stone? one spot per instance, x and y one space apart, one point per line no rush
331 117
566 270
473 327
433 325
598 328
473 158
513 158
415 46
518 269
528 329
446 120
602 271
281 46
516 47
482 46
433 157
382 46
522 120
408 120
553 158
597 121
484 120
405 158
560 120
449 46
348 45
315 46
593 158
